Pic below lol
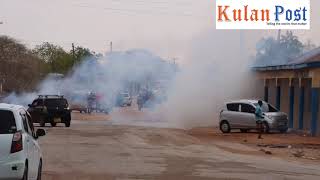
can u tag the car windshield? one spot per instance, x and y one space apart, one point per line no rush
56 103
7 122
267 107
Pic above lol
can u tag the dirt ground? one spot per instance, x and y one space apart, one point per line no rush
96 147
287 146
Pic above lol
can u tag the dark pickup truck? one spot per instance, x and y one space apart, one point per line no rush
51 109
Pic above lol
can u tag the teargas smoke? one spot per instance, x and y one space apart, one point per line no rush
217 71
117 72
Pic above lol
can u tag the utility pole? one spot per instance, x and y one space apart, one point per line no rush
73 52
111 46
242 45
174 65
1 88
2 81
279 36
174 61
73 55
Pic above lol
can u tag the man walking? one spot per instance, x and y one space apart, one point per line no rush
259 118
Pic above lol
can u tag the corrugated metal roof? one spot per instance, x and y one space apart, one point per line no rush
307 60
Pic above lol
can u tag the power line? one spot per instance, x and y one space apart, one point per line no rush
139 12
143 2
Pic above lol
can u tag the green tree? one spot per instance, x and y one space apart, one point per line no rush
277 52
19 69
308 46
81 53
58 60
291 44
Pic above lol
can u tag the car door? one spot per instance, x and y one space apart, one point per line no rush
247 115
36 109
232 114
28 142
35 145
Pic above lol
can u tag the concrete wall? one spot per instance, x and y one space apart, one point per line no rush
310 77
284 100
307 105
272 92
295 83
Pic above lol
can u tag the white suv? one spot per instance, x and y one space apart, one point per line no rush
20 154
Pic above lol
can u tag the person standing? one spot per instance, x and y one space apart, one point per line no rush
140 101
90 102
259 118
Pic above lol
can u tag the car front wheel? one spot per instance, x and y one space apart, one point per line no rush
225 127
265 127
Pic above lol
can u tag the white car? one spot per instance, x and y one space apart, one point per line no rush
124 99
241 115
20 153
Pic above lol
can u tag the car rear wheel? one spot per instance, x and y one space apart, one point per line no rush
53 124
244 130
225 127
68 124
283 130
42 123
39 170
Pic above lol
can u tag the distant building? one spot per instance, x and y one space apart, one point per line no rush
294 88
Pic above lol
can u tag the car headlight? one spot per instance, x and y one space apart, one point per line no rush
269 117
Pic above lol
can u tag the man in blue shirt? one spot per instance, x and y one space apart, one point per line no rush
259 118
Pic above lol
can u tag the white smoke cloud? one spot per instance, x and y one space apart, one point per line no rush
217 71
107 76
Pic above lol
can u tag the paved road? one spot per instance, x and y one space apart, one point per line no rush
98 150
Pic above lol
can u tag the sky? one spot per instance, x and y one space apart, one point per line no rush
166 27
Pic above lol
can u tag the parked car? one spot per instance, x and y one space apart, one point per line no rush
241 115
124 99
20 153
51 109
79 107
78 101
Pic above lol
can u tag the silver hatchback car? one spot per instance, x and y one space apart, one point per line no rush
241 115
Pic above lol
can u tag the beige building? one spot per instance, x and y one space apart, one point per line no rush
294 88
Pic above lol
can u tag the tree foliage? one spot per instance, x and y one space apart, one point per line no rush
57 60
278 52
21 68
81 54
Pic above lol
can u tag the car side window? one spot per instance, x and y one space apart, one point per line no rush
272 109
24 121
37 102
247 108
233 107
30 123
